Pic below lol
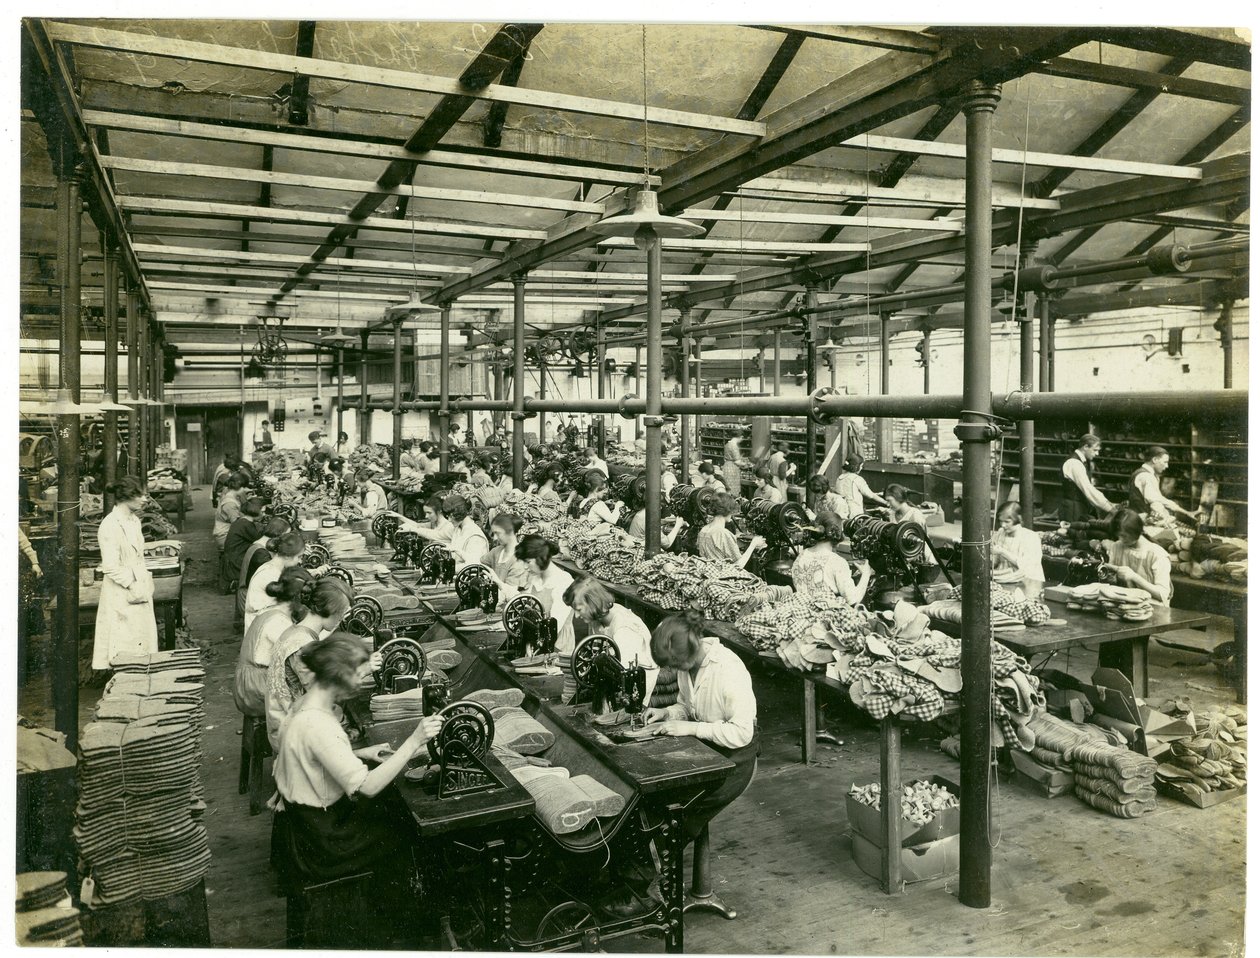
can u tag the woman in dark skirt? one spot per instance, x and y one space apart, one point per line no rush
333 821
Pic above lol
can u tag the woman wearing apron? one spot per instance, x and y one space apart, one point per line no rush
125 623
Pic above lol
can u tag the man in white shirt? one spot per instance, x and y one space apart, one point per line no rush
1145 496
1081 498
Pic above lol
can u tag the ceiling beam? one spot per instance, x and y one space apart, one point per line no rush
299 106
167 226
394 79
765 246
350 146
909 41
199 208
849 185
1172 42
202 252
492 126
1144 80
821 219
1205 293
207 171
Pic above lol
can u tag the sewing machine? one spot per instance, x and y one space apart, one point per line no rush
782 526
530 630
436 565
611 686
896 552
476 589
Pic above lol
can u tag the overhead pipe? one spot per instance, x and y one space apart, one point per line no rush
444 391
109 441
396 452
976 432
518 380
65 678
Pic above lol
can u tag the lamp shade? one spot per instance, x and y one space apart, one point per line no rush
412 307
336 339
108 405
646 221
62 405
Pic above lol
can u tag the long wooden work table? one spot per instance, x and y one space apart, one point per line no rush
500 830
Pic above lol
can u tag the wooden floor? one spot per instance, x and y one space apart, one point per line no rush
1067 880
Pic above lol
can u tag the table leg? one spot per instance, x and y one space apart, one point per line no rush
1139 656
890 804
1125 656
809 722
498 897
670 849
1240 658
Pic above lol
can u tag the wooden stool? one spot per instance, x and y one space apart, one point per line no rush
701 895
330 914
255 750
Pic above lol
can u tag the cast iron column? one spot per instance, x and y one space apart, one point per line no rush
811 383
652 412
109 443
638 389
142 377
444 390
365 414
601 359
1225 326
518 380
778 361
133 380
1043 330
542 394
974 431
1027 433
684 383
883 430
396 454
927 360
66 657
341 390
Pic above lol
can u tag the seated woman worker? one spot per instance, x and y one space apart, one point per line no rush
715 704
332 820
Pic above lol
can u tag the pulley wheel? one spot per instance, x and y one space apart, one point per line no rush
469 580
519 609
345 575
314 556
401 657
588 650
466 722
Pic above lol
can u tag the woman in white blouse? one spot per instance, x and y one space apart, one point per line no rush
1137 562
548 582
125 623
715 704
819 570
510 572
286 552
330 822
467 543
1018 549
372 496
594 605
250 690
766 488
596 505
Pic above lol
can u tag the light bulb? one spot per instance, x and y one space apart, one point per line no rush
643 237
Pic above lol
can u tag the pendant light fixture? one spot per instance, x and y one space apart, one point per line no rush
414 305
61 405
337 339
647 227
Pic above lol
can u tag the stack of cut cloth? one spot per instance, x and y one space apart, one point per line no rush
46 915
278 462
390 597
1010 613
165 480
904 667
806 629
563 803
532 510
1116 602
41 749
1109 777
138 823
399 705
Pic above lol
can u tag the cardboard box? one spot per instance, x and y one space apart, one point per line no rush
865 821
1041 778
1115 706
918 862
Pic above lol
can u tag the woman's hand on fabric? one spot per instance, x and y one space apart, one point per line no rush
651 716
672 727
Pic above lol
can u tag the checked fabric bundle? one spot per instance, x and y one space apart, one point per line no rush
138 823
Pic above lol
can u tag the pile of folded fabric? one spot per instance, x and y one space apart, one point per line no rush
138 823
365 456
278 462
400 705
805 629
1056 544
532 510
165 479
1009 612
563 803
1114 601
45 914
1107 776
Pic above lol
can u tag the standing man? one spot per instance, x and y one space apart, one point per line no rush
318 445
264 444
1081 498
1145 495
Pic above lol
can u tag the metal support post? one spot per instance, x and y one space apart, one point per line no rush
684 383
542 394
652 417
601 360
811 383
365 414
142 433
1027 432
638 389
396 454
518 380
883 428
697 387
778 363
133 380
341 391
65 678
927 361
444 390
109 442
975 431
1044 335
1225 326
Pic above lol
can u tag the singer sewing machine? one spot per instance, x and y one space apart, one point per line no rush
782 526
437 565
476 589
610 686
531 632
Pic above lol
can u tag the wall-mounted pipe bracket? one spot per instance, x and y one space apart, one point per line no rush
816 410
522 416
978 431
658 420
621 406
